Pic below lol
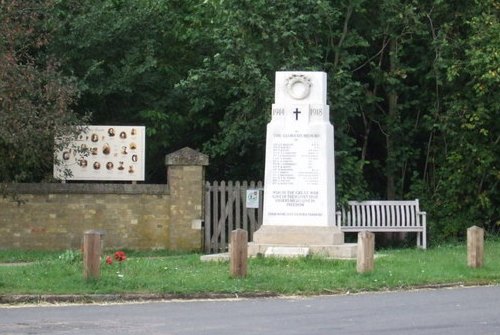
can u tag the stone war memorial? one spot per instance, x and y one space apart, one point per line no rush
299 191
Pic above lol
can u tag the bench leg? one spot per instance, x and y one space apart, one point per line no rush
424 238
424 231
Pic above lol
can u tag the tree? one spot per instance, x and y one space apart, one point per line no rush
128 57
35 99
411 88
463 157
232 91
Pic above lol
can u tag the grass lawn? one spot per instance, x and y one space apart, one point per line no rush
163 272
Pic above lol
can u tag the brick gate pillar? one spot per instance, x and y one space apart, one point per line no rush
186 182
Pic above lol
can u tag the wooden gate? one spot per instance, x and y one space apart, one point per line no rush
226 210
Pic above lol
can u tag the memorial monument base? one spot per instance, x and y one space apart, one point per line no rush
281 241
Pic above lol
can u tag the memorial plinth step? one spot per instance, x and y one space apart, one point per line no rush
298 235
277 240
287 252
338 251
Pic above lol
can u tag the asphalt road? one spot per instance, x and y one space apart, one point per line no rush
442 311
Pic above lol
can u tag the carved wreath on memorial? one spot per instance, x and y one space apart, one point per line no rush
298 86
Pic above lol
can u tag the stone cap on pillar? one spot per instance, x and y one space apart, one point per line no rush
186 156
95 232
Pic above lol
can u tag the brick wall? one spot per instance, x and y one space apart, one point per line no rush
134 216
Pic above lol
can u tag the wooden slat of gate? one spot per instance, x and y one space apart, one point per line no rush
208 221
251 211
215 213
230 208
260 210
243 199
237 205
222 218
214 238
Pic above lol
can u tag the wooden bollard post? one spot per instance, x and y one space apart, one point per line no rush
239 253
91 254
366 250
475 247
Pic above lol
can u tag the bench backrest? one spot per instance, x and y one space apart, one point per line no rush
402 213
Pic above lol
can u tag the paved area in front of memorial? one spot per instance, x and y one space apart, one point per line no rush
473 310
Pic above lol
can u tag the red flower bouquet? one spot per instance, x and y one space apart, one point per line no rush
120 256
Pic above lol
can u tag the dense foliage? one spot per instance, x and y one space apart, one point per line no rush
35 98
413 88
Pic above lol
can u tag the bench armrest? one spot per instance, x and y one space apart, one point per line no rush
338 218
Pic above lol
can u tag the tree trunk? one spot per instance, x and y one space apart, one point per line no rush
392 117
392 98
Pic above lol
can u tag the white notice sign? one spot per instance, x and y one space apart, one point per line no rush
252 199
299 172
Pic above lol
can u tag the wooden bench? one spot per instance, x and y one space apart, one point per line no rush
384 216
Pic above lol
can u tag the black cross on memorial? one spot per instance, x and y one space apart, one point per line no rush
296 112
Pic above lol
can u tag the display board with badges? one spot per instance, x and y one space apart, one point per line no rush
102 153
